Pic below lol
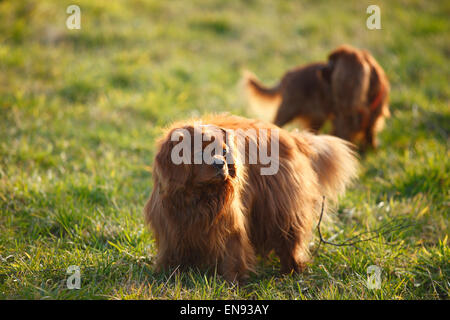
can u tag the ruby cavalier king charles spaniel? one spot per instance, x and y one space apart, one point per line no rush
228 188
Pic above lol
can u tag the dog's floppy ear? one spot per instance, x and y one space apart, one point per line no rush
349 79
327 71
170 173
379 84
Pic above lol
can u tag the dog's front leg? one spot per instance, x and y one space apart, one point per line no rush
238 259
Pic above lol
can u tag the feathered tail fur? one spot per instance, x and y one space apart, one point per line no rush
262 100
334 161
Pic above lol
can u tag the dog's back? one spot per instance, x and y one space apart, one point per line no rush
333 160
302 89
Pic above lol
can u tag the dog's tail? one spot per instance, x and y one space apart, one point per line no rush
334 161
262 100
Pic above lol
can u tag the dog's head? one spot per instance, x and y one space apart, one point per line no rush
195 156
344 57
361 88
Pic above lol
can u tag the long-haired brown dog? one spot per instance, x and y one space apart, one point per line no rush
351 90
217 216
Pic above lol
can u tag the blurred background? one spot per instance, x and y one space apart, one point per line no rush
80 111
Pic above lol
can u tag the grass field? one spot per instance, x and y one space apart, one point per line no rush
80 111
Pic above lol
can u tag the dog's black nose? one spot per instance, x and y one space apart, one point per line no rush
218 164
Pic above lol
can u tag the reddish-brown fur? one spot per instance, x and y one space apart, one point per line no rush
351 90
223 223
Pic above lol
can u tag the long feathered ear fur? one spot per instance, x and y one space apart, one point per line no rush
167 179
170 175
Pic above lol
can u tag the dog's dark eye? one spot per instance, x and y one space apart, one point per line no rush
224 152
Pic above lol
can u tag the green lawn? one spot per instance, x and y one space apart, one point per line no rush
80 111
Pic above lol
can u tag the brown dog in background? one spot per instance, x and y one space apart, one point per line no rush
217 216
351 90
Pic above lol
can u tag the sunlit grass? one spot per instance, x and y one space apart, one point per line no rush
80 111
